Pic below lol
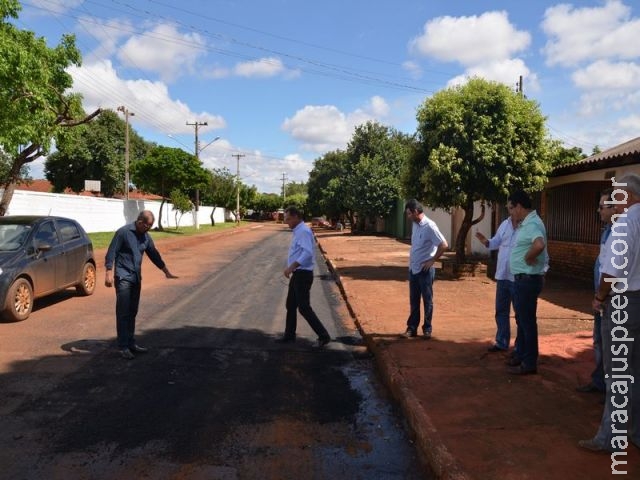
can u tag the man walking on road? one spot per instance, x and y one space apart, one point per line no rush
502 241
427 246
124 256
299 271
527 262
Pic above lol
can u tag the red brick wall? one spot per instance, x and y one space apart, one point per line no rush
572 259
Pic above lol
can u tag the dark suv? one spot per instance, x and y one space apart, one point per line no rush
40 255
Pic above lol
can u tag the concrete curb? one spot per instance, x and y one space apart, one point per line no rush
430 446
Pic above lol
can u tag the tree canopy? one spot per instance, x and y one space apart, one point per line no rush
94 151
477 142
34 99
165 169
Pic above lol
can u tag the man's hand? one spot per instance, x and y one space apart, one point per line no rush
108 279
288 271
168 274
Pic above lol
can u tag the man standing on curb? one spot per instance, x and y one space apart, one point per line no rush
618 297
606 211
124 256
299 271
527 262
427 246
503 242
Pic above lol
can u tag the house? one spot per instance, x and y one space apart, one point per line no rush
569 202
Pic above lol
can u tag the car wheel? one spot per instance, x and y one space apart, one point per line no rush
88 283
19 301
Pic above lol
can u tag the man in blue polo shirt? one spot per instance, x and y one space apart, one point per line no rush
527 262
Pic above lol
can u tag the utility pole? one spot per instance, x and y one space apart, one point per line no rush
238 156
284 192
197 151
519 86
127 114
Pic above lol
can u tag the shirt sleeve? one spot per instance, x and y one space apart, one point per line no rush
305 241
154 254
114 247
496 240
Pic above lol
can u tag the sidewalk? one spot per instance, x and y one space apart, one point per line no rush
470 418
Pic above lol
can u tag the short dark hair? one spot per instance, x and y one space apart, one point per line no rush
414 205
606 192
520 197
293 211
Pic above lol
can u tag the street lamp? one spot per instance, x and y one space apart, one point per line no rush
127 114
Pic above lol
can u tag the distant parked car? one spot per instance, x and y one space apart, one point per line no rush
319 222
40 255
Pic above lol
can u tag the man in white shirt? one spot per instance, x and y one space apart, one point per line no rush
503 242
427 246
618 297
299 271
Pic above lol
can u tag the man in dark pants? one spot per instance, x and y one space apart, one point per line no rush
527 262
299 271
125 257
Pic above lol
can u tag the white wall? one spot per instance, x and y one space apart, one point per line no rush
97 214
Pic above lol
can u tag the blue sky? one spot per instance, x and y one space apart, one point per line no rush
284 81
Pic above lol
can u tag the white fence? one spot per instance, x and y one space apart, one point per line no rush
97 214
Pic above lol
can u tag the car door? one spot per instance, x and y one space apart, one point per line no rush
46 264
75 251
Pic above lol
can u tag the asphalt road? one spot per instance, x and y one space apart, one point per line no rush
215 397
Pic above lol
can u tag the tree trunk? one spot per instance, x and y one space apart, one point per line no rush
213 221
7 195
467 223
160 215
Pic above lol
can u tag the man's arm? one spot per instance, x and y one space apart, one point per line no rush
441 249
536 248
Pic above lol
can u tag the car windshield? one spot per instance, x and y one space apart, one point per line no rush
13 236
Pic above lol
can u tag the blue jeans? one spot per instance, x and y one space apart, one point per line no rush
421 288
127 302
525 302
597 376
504 294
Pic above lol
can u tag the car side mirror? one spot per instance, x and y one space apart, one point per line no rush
42 247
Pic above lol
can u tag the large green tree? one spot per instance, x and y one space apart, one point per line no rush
165 169
325 187
94 151
376 156
478 142
34 99
220 190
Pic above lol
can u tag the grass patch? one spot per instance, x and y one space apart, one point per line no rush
102 239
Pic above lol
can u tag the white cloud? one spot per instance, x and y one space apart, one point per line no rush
261 68
414 70
149 101
590 33
602 74
108 33
470 40
504 71
323 128
163 50
55 7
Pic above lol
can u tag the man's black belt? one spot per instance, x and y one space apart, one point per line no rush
520 276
